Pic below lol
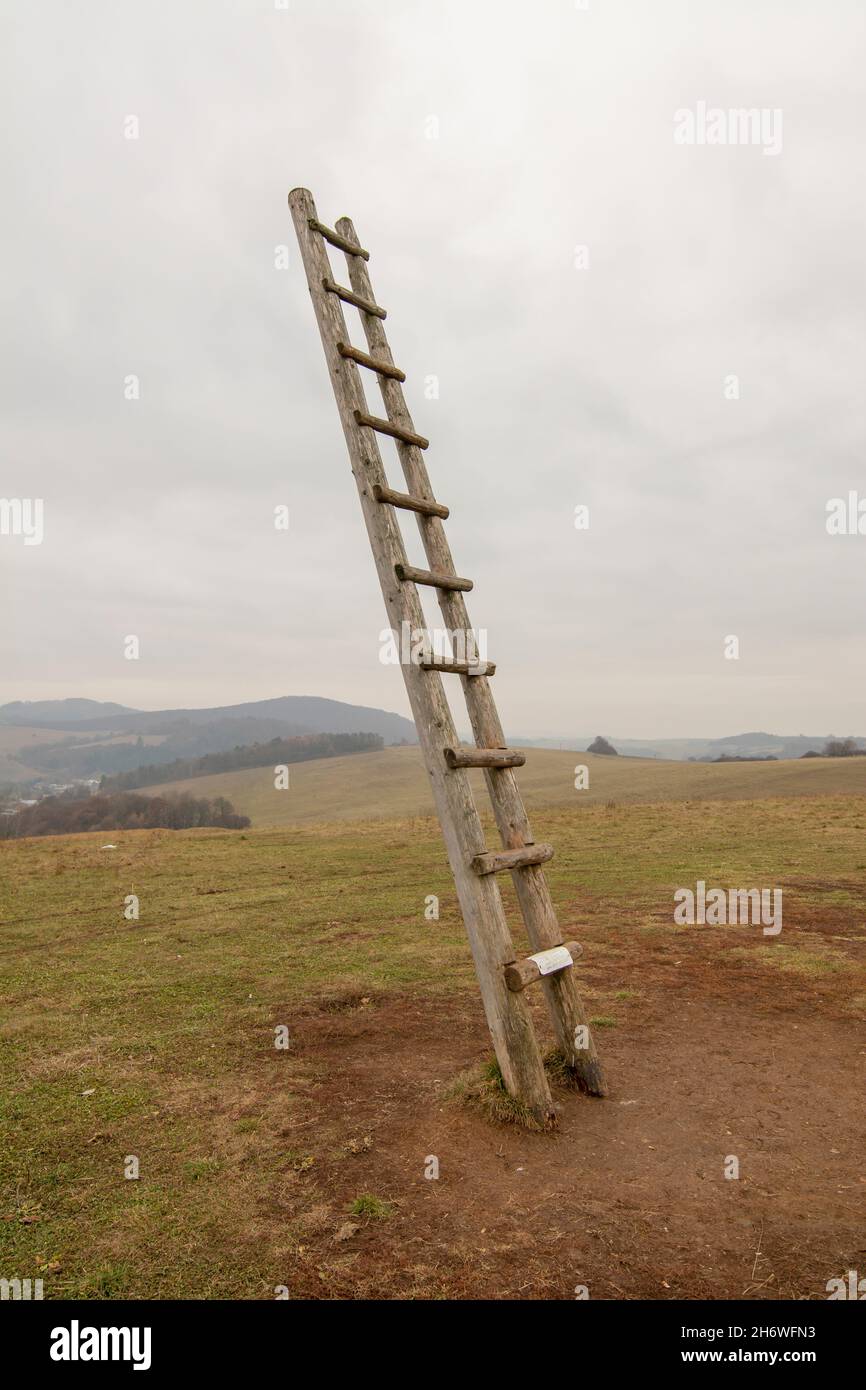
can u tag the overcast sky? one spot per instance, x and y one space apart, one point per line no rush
560 384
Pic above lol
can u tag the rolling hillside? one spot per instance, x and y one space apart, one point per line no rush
15 743
262 719
60 713
70 739
393 783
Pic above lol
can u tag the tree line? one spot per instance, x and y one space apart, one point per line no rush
66 815
839 748
279 750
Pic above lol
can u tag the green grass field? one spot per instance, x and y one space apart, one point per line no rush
393 783
155 1038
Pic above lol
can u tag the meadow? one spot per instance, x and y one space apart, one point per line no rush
303 1170
393 783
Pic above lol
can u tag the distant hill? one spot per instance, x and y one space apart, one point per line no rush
307 714
57 713
94 739
748 745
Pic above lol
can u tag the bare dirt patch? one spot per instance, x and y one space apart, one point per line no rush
629 1197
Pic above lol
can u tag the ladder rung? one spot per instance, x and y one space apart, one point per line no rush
411 504
385 427
383 368
525 972
336 240
351 298
410 575
512 859
459 668
483 757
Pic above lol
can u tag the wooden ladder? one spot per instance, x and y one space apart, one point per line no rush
501 977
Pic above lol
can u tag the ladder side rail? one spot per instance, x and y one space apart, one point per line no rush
480 900
542 926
